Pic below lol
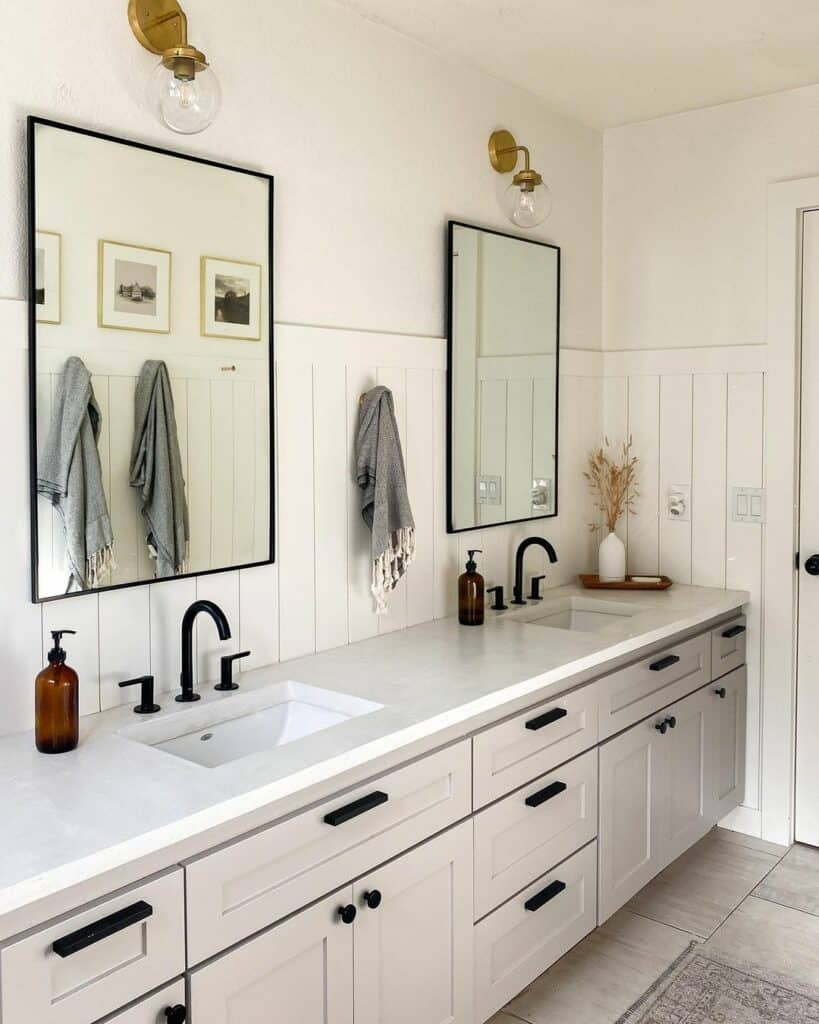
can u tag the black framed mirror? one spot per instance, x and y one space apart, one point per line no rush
503 370
151 363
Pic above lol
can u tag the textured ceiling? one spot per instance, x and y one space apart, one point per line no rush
609 62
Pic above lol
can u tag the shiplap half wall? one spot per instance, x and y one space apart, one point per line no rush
703 429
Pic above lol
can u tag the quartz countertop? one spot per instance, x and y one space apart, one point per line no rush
69 818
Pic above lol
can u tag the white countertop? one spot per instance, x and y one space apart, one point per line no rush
71 817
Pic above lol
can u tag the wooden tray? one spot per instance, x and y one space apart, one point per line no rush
592 582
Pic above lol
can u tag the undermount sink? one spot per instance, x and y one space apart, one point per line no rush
583 614
217 733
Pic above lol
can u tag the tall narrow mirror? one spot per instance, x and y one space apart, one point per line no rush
151 363
504 310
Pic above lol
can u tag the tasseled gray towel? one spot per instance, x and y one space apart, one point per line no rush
156 469
70 475
384 501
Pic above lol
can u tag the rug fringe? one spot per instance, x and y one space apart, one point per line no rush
630 1016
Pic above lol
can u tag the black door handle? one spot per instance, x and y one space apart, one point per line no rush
729 634
545 895
812 565
549 793
102 929
667 662
546 718
349 811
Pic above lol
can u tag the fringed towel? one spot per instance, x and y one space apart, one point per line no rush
70 475
156 469
384 501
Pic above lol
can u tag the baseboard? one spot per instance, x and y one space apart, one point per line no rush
747 820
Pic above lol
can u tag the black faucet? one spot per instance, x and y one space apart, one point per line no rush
223 627
517 596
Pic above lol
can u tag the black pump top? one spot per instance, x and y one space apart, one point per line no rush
56 655
472 565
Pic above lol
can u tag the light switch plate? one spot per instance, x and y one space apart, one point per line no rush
748 504
490 490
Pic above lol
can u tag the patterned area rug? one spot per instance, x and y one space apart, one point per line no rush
696 990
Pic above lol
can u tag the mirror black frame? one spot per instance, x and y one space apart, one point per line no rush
31 125
450 397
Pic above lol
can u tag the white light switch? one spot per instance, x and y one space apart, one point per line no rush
748 505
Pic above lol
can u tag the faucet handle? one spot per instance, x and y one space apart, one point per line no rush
146 704
498 605
535 595
226 676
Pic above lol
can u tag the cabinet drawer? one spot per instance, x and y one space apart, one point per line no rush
728 646
635 692
513 753
94 961
515 944
249 884
151 1010
528 832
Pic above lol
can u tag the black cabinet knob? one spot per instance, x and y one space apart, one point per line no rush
176 1014
347 914
812 565
662 727
672 722
373 899
722 693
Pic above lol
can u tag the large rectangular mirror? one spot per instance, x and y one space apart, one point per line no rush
151 363
504 312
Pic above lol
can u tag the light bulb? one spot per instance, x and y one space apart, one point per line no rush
185 104
526 205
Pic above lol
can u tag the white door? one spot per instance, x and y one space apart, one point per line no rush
807 701
633 813
689 745
299 972
728 697
413 936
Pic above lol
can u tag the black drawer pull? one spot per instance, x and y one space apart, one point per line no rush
101 929
555 789
366 803
545 895
729 634
666 662
546 718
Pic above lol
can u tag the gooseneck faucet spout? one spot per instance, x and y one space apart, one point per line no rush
517 597
188 619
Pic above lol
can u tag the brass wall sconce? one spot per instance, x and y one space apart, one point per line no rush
527 201
183 90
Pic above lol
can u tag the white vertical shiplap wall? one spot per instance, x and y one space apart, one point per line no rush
697 419
317 595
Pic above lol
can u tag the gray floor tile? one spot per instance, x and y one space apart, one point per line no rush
700 889
740 839
600 978
772 941
503 1018
794 882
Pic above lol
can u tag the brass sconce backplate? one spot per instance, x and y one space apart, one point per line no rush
160 25
503 151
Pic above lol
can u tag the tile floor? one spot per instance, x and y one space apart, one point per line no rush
751 902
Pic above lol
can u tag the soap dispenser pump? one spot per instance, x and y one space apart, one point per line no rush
57 702
471 593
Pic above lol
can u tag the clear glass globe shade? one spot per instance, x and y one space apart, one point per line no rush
527 209
185 106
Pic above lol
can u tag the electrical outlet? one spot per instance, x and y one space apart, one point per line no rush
678 503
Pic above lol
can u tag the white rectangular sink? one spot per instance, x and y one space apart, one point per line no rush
226 730
583 614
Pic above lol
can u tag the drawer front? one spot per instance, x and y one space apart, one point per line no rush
522 836
112 954
513 753
246 886
515 944
151 1010
635 692
728 646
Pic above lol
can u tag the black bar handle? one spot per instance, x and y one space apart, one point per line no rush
667 662
349 811
102 929
546 719
549 793
729 634
545 895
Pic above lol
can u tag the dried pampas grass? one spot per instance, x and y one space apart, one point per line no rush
613 482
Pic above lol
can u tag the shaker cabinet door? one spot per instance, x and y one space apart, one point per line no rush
728 700
413 936
690 750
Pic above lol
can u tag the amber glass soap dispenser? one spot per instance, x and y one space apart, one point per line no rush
57 702
470 593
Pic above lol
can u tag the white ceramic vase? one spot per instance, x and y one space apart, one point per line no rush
612 560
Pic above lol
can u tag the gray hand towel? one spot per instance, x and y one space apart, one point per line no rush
70 475
385 504
156 469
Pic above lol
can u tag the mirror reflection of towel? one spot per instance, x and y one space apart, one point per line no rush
156 469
